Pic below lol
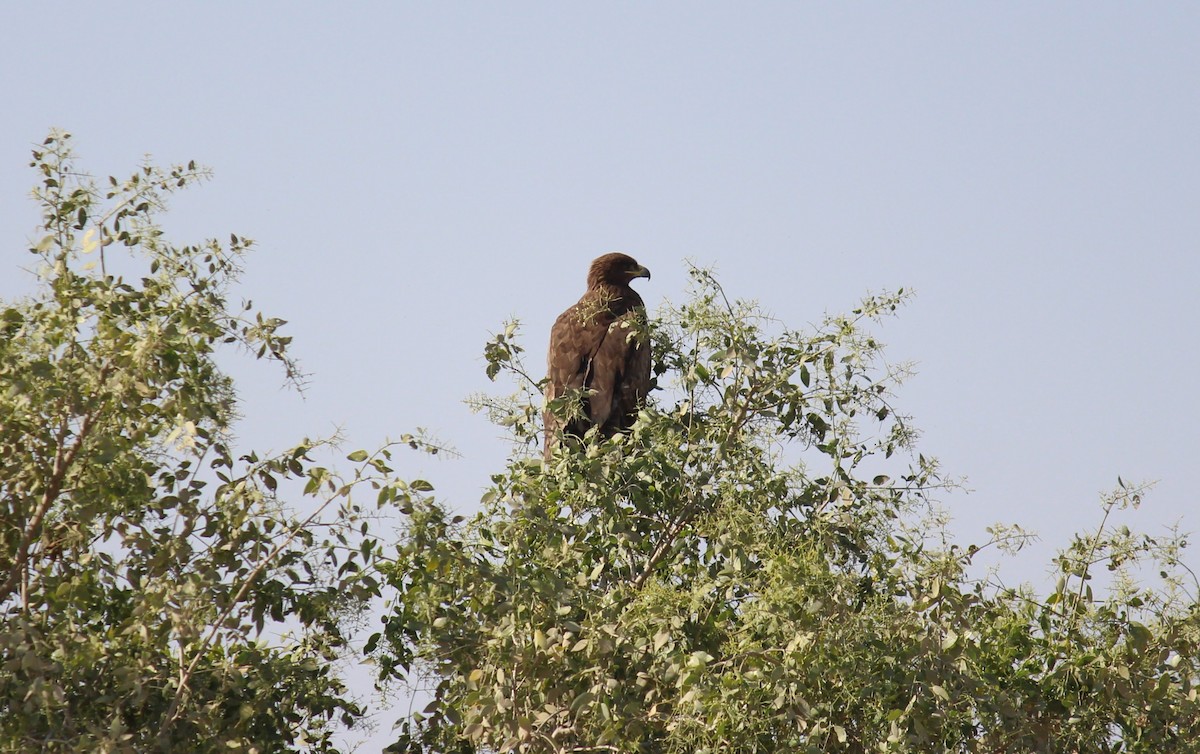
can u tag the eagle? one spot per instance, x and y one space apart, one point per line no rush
599 347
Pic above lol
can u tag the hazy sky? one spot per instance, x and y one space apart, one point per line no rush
417 173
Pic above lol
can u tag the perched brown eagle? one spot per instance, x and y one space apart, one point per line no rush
599 347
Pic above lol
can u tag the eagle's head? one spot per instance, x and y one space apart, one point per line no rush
615 269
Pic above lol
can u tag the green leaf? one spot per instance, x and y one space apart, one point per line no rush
949 640
581 701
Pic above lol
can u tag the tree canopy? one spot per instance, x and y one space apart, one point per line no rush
157 592
758 564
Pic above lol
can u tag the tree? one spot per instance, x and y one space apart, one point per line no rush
157 592
757 567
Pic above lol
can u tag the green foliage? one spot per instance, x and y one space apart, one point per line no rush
156 591
756 567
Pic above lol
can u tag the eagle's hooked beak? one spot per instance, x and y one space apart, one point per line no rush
639 272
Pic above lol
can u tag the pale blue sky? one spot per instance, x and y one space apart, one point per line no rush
416 173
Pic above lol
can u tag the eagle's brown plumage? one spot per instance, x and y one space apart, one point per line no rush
599 347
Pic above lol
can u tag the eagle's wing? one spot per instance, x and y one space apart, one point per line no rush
622 373
575 339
